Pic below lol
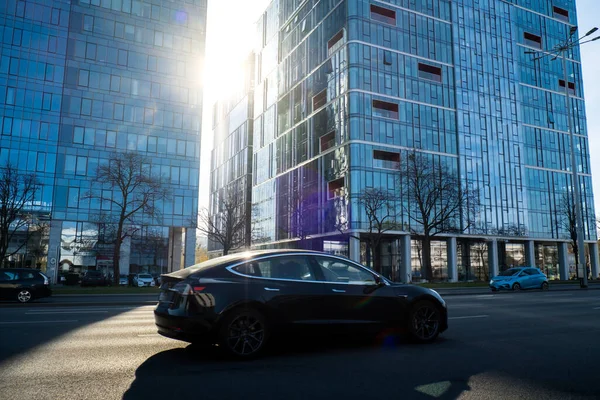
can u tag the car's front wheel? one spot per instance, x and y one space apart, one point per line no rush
424 321
545 286
516 287
244 333
24 296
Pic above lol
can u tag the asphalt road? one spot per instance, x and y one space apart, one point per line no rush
538 345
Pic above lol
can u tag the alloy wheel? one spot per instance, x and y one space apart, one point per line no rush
245 334
425 322
24 296
516 287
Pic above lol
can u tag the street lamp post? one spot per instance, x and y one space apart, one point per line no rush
562 50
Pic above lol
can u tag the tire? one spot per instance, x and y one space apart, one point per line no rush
424 322
243 333
24 296
545 286
516 287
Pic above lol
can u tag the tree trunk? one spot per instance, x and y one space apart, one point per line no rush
117 255
376 258
427 258
116 259
576 253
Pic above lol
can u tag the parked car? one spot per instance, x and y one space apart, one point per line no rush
141 280
23 285
123 281
520 278
94 278
239 301
72 279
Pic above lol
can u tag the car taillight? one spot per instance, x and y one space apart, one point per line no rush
186 289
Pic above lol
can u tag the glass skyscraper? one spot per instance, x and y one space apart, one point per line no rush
346 89
81 80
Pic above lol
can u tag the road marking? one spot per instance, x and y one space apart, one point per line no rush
39 322
596 308
149 335
66 312
469 316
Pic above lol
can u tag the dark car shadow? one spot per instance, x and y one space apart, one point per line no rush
313 368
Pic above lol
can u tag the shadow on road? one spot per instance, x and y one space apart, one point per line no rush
311 369
303 369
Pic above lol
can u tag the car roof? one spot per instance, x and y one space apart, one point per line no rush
237 257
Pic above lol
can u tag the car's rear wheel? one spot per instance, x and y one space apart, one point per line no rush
424 322
516 287
545 286
244 333
24 296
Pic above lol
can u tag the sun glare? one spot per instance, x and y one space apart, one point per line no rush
230 40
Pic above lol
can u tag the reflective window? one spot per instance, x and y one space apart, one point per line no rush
339 271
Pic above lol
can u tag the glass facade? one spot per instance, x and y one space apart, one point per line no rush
346 88
231 157
81 80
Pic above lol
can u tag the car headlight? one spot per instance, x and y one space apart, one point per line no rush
438 297
491 281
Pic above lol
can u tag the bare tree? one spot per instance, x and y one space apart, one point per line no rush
566 219
435 201
134 194
229 226
17 196
379 206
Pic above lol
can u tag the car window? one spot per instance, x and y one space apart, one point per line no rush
339 271
145 276
510 272
6 276
28 275
532 271
286 267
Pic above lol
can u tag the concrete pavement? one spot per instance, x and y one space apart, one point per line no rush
514 346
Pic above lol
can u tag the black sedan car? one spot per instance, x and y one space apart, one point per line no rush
23 284
94 278
239 301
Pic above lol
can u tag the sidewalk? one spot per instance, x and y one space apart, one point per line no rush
474 290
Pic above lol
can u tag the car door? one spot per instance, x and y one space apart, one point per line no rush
535 277
9 283
287 284
30 280
353 295
525 279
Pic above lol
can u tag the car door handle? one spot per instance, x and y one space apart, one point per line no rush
338 291
268 289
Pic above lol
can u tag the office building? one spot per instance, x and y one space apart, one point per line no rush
346 89
82 80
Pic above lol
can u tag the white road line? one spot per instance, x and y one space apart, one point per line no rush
149 335
469 316
39 322
66 312
596 308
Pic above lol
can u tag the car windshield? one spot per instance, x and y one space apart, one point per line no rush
510 272
145 276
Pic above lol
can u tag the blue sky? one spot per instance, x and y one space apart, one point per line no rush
230 36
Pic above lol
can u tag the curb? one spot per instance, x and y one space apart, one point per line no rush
77 304
103 295
484 292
